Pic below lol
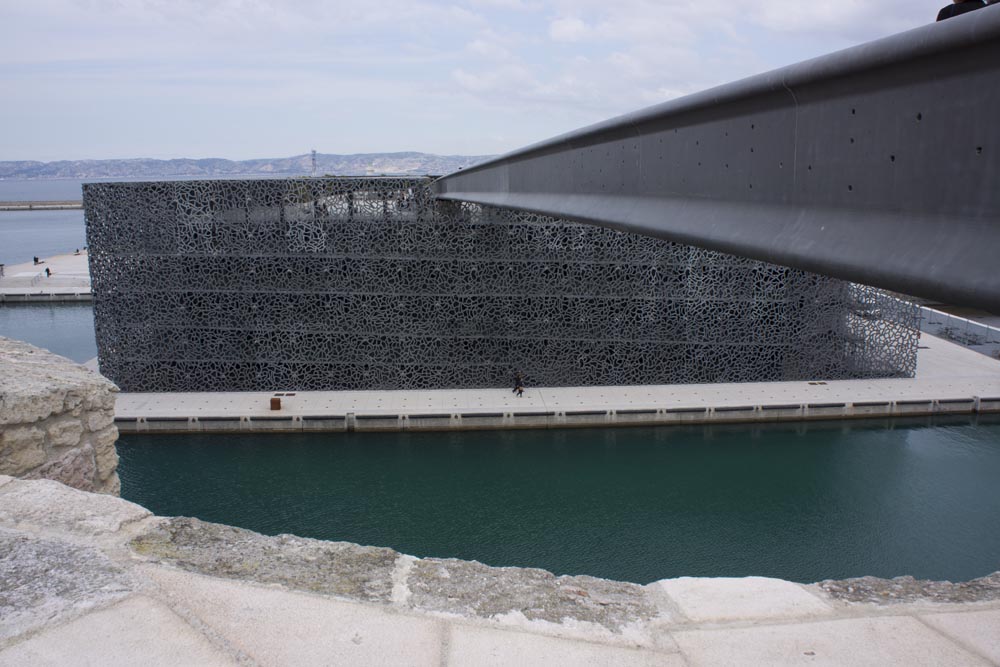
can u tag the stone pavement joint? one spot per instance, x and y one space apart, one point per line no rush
86 578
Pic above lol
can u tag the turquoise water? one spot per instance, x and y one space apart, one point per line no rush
63 328
800 502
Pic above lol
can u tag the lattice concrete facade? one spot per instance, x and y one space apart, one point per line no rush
369 283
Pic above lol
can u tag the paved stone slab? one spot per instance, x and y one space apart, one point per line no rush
138 631
276 627
727 599
979 630
879 642
43 581
483 647
53 506
470 588
337 568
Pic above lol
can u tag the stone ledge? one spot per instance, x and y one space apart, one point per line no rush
72 563
906 589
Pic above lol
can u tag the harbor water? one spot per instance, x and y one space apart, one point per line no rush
803 502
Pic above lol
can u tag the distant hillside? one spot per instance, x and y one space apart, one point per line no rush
300 165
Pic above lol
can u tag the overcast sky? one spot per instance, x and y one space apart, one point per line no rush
268 78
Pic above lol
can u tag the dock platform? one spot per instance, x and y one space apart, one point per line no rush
950 379
27 282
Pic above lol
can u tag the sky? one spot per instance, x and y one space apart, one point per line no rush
240 79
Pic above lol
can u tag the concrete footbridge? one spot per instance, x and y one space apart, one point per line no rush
878 164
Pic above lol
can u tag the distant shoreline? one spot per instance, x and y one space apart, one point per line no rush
41 205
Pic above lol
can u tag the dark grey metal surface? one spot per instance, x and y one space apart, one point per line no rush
879 164
366 283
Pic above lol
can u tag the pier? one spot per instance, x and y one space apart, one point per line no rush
27 282
72 205
950 379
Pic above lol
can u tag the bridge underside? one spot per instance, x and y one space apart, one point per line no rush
879 164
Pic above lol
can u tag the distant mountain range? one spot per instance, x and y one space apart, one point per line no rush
361 164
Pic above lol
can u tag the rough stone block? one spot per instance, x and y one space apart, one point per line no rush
22 448
54 506
879 642
276 627
137 631
104 399
483 647
111 486
750 598
75 468
906 589
43 582
337 568
469 588
64 431
106 457
100 419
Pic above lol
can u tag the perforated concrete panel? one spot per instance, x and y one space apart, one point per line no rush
369 283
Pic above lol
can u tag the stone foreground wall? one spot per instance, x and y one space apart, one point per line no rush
89 579
56 420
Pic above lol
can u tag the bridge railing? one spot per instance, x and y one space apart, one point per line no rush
878 164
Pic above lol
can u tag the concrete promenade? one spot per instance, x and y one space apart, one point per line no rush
88 579
950 379
27 282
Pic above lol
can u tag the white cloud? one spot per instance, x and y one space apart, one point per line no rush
569 29
343 74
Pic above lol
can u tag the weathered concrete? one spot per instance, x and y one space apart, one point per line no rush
92 579
56 420
907 589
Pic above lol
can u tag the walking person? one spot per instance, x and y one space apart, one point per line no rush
518 381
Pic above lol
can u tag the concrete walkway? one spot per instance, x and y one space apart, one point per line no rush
87 579
949 379
70 280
